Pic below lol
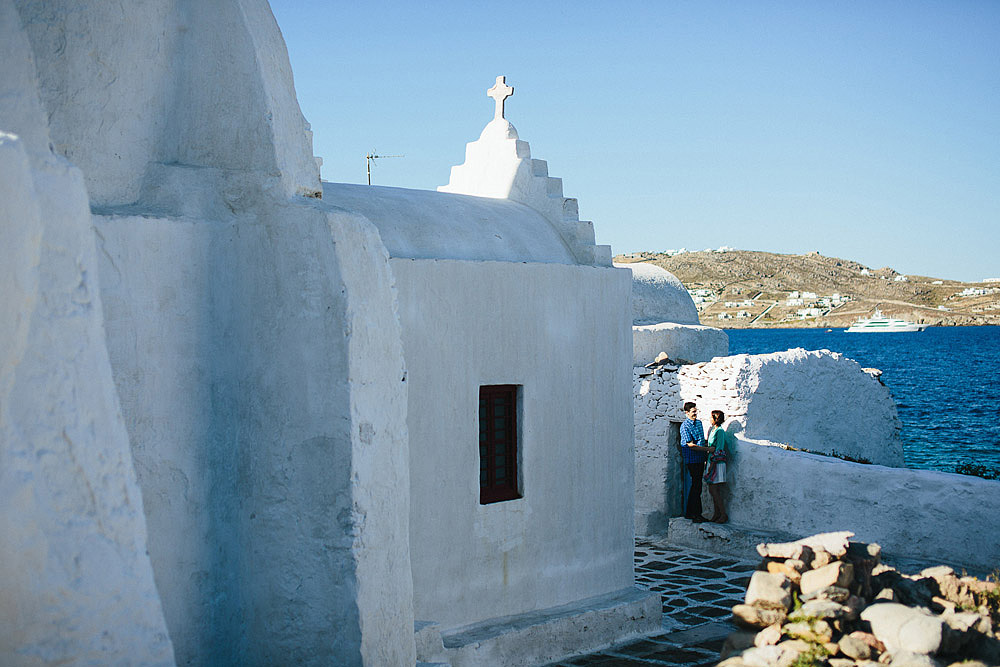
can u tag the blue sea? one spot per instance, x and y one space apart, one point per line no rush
945 380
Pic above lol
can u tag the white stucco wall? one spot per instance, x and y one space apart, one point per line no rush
911 513
467 324
153 83
260 369
77 585
688 342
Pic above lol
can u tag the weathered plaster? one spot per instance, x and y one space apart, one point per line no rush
158 86
261 376
77 582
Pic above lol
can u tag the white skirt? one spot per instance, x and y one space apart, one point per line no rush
720 473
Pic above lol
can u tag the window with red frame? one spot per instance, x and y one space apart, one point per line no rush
497 443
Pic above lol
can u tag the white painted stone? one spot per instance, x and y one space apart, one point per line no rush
818 401
690 342
253 341
895 507
315 495
157 85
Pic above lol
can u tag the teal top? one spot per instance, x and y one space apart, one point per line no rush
721 440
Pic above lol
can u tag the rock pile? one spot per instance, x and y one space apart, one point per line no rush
825 600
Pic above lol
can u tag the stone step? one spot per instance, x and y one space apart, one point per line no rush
545 635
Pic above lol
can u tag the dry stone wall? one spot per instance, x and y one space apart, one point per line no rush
816 401
826 600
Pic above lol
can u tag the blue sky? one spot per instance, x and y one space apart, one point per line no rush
864 130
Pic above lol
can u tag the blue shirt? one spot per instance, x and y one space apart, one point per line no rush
692 431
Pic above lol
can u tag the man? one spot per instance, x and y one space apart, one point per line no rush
693 452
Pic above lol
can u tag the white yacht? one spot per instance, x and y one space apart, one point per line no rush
880 323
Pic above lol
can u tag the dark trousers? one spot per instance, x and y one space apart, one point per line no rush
694 471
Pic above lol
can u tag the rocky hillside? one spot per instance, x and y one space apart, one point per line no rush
747 288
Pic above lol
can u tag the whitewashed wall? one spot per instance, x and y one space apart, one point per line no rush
819 401
563 332
688 342
911 513
274 484
151 82
76 583
253 340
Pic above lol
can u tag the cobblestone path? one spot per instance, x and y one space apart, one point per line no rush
698 590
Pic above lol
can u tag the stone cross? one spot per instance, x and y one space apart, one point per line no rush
499 92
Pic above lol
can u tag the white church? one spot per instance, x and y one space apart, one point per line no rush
249 417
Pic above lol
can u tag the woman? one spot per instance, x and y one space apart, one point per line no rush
720 449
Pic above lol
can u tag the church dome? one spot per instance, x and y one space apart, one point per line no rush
421 224
658 296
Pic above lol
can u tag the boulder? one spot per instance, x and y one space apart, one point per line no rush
834 544
854 647
903 628
819 609
817 632
909 659
769 590
785 550
781 568
768 636
835 593
749 616
838 574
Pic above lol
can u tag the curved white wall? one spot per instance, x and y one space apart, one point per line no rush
276 486
658 296
156 84
76 578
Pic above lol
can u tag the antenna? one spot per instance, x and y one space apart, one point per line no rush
370 159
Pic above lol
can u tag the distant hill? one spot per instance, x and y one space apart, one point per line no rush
755 289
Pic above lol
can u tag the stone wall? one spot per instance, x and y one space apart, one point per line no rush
816 401
690 342
912 513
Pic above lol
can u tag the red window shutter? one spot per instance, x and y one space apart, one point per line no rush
497 443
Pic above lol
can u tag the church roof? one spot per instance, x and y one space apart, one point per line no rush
658 296
422 224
